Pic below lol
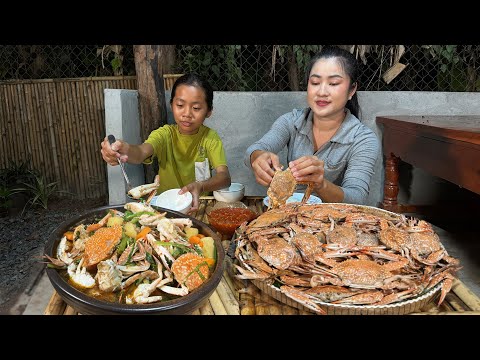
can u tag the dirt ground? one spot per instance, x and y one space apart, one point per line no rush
22 241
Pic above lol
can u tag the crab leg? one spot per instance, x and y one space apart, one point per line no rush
395 297
182 291
55 261
447 279
101 223
142 293
149 274
303 298
308 191
368 297
161 251
248 275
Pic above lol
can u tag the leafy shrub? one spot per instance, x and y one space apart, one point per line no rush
11 178
5 201
15 173
39 191
19 178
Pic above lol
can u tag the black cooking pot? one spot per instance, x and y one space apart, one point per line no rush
90 306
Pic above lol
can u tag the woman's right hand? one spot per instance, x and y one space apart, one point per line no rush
118 150
264 164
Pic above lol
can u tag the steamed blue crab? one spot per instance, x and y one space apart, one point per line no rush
131 257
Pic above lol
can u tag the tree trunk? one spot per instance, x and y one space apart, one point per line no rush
151 62
293 70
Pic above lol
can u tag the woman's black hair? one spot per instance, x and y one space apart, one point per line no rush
349 64
196 80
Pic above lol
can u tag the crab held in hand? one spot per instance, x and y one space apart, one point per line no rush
145 189
282 187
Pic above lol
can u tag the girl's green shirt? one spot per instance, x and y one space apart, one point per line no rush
179 154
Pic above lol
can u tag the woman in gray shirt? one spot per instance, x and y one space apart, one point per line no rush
326 142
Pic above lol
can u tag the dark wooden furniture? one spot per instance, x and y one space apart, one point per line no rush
445 146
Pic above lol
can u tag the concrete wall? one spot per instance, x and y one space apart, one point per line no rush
122 121
241 118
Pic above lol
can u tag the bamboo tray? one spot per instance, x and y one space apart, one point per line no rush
259 297
399 308
459 301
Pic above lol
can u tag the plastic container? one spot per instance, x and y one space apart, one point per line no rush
227 217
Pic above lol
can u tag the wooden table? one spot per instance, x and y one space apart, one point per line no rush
445 146
236 297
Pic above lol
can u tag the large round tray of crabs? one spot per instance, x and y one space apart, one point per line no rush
335 258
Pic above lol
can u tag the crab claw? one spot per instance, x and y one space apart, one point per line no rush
303 298
447 279
446 286
56 262
79 275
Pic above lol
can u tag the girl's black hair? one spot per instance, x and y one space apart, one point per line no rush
196 80
349 64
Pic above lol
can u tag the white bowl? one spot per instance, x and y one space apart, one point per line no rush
234 192
296 197
171 200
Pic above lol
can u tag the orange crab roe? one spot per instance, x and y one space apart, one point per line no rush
187 269
100 245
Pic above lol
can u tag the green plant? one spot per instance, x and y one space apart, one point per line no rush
5 197
107 51
11 178
218 63
15 173
446 55
5 201
39 190
454 68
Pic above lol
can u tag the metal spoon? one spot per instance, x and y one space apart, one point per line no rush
111 140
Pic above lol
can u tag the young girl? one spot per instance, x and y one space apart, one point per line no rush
186 151
327 144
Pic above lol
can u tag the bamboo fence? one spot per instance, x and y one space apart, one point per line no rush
58 124
169 80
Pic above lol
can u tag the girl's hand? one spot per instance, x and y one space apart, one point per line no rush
309 169
118 150
195 189
264 166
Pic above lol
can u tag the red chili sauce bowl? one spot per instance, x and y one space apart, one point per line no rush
226 219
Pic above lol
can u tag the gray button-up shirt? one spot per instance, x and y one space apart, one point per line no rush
349 156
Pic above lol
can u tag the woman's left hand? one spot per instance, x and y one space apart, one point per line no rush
308 169
195 189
